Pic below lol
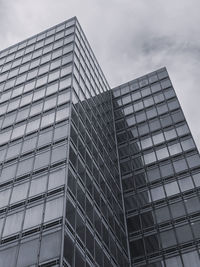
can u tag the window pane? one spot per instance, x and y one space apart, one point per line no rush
50 246
33 216
53 209
157 193
19 192
28 253
38 185
8 257
172 188
4 197
56 178
13 223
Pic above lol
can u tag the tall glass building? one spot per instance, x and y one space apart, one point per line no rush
160 172
91 176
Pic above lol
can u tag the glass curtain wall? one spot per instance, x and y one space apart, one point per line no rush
95 228
160 169
35 82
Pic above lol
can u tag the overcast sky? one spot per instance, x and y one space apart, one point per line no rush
129 37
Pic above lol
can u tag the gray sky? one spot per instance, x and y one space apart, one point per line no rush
129 37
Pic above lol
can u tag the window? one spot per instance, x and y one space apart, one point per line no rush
13 223
173 262
187 144
191 259
19 192
8 172
13 151
158 138
186 184
56 179
147 142
170 134
4 197
42 160
53 209
149 158
25 166
8 257
168 239
172 188
193 161
162 214
184 233
157 193
33 125
38 185
50 246
59 153
174 149
28 253
162 153
180 165
47 119
155 87
128 110
33 216
153 174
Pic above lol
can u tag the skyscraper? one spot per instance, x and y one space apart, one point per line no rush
160 171
91 176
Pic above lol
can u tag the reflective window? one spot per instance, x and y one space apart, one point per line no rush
147 142
174 149
187 144
162 153
149 158
59 153
56 179
191 259
184 233
168 238
28 253
33 216
158 138
42 160
53 209
8 257
186 184
173 262
170 134
153 174
25 166
50 246
177 209
157 193
162 214
19 192
38 185
13 223
196 178
180 165
47 119
172 188
4 197
8 172
193 161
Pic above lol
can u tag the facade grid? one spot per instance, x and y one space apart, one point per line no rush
92 176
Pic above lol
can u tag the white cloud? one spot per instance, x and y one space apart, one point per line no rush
129 38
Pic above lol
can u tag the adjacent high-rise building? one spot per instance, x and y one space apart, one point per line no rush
92 176
160 172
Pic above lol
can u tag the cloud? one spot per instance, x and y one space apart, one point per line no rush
129 38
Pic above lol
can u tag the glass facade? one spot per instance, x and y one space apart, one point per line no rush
160 171
60 189
91 176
